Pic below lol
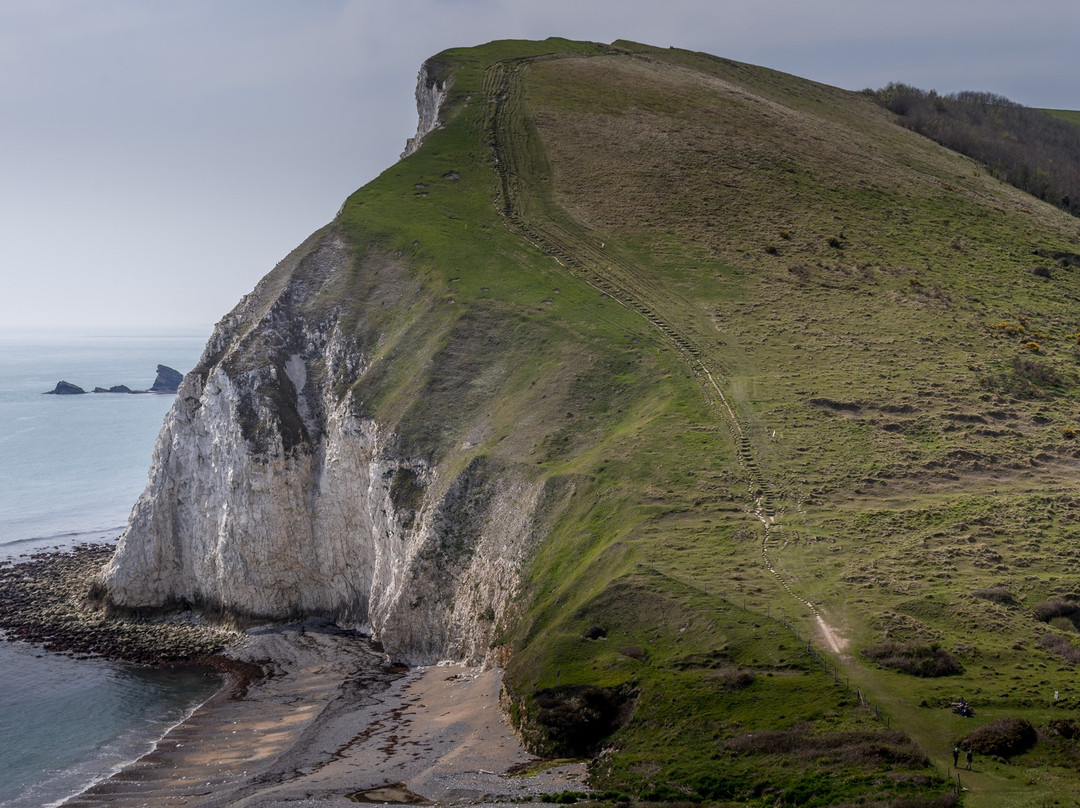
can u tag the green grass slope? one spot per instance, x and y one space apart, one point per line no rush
1070 115
800 383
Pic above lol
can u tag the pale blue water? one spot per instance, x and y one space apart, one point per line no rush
76 464
71 467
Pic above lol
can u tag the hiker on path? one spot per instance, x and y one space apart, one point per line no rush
970 757
956 757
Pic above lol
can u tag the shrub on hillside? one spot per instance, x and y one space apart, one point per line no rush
735 678
1028 378
949 800
1037 373
996 594
927 661
1057 644
854 747
1047 610
1003 738
1063 727
577 718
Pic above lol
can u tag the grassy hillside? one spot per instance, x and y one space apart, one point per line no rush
801 383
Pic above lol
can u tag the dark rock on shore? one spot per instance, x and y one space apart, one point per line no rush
65 389
46 601
167 381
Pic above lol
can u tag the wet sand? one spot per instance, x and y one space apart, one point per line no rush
329 721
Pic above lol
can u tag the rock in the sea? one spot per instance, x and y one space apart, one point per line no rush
167 381
65 389
116 388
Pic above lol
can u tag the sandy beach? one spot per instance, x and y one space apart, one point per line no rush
311 714
330 724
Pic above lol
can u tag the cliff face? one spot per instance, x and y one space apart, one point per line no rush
432 88
272 496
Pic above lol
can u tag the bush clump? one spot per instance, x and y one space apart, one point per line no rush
1063 727
1028 378
1047 610
736 678
889 746
594 632
927 661
1057 644
577 718
996 594
1003 738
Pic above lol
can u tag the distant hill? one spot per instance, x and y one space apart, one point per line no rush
735 419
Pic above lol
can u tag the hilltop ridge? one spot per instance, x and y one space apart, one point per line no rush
678 386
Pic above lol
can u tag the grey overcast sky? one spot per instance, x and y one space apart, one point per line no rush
157 158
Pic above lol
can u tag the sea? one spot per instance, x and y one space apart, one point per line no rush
71 468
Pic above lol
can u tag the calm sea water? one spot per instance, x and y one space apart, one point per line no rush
71 467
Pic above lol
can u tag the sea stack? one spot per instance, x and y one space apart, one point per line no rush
167 381
65 389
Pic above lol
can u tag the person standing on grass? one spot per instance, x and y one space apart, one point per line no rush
970 757
956 757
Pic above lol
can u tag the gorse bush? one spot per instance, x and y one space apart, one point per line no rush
852 747
1028 378
926 661
1046 610
1060 645
1064 727
1004 738
995 594
577 718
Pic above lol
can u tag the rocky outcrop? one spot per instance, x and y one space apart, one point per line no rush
65 389
274 495
432 87
167 380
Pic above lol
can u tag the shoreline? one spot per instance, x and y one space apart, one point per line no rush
309 713
119 767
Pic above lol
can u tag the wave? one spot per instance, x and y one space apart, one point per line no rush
132 756
65 540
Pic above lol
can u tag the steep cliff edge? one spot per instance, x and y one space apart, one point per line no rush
360 438
270 496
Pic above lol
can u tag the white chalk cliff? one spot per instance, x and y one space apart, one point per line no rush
431 94
275 493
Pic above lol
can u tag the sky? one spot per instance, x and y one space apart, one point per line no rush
158 158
